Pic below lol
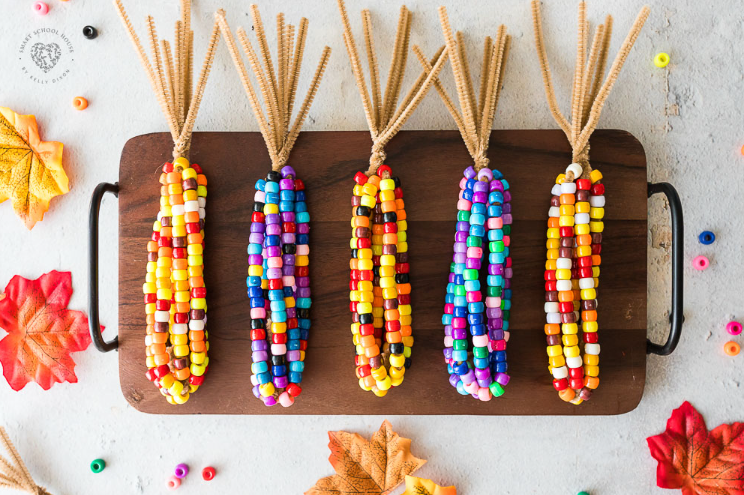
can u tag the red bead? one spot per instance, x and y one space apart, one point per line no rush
585 272
591 337
576 372
181 317
151 375
360 178
292 323
299 185
391 228
197 380
258 334
279 338
258 217
151 298
508 262
208 473
367 329
303 345
354 275
179 253
288 227
193 228
302 271
161 370
162 305
167 167
551 286
566 231
583 184
366 275
398 193
585 261
598 189
561 384
596 248
566 307
404 298
352 306
384 169
550 275
353 284
392 326
155 236
294 390
364 370
275 284
364 243
164 242
576 383
199 292
196 168
402 267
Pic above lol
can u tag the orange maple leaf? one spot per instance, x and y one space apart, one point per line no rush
373 467
31 172
42 332
420 486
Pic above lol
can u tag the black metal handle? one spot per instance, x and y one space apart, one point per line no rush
676 317
93 324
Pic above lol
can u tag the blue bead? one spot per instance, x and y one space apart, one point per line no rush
297 366
495 280
278 305
478 209
304 324
472 285
449 369
293 334
477 230
496 197
506 294
450 288
707 237
255 292
278 315
500 367
276 295
287 195
272 198
304 302
301 217
260 367
272 187
505 325
496 258
449 299
497 174
500 356
460 311
286 206
271 240
461 301
257 302
295 377
495 235
480 363
300 196
253 281
446 319
505 304
475 319
300 207
461 388
505 184
459 278
460 367
470 184
279 370
304 333
254 249
263 378
293 345
467 195
476 307
477 219
479 329
260 185
302 239
288 292
495 211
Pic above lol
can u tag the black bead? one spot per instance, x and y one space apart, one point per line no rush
289 249
366 318
277 360
90 32
396 348
273 176
376 272
401 278
363 211
396 181
407 363
258 323
302 313
389 217
353 253
258 207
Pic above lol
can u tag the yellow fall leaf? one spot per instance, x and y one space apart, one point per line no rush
31 172
420 486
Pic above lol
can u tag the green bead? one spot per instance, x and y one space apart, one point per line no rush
496 246
463 216
98 465
494 291
470 274
480 352
496 389
452 267
507 229
460 290
505 314
474 241
460 344
583 493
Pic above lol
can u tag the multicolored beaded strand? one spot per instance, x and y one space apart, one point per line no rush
483 216
278 251
175 293
380 288
575 223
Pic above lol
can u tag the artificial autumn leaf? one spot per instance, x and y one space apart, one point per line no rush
697 461
420 486
42 332
31 172
373 467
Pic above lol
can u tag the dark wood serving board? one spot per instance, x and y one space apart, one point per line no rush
430 165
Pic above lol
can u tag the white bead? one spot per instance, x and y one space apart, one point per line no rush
586 283
191 206
148 340
561 372
592 349
202 202
556 191
563 263
597 201
177 210
575 169
552 307
254 380
568 188
574 362
554 212
581 218
562 285
162 316
196 325
202 213
160 215
179 328
553 318
278 349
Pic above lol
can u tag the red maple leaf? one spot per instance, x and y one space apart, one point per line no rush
696 460
42 332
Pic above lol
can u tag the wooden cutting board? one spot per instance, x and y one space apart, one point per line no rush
430 165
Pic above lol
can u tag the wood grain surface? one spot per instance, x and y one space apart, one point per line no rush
430 165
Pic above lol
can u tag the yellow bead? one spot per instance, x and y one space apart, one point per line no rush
402 237
150 308
198 369
255 270
405 320
270 208
302 260
386 196
582 207
554 350
570 340
397 360
553 244
193 388
386 282
196 260
156 226
176 388
402 225
387 271
151 266
387 185
554 233
596 227
365 253
180 350
377 249
181 163
379 373
566 221
563 274
369 189
363 386
357 190
589 326
379 392
407 352
390 293
384 384
402 247
407 341
591 370
582 229
366 264
179 339
175 189
595 176
588 294
164 294
198 303
597 213
194 249
266 389
395 382
551 265
387 260
583 251
201 191
404 309
166 211
150 278
366 296
181 296
368 201
188 173
591 359
364 307
167 381
569 328
150 362
571 351
178 274
165 262
178 220
595 274
560 179
198 357
553 254
149 288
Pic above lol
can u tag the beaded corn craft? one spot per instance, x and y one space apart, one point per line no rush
575 223
175 294
278 251
380 289
483 217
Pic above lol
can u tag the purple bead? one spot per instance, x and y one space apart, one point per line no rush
288 238
293 355
286 184
482 374
497 269
255 259
484 382
459 258
485 173
273 218
461 236
469 172
496 334
273 252
291 312
448 330
453 379
495 323
256 392
468 377
463 226
269 401
303 292
259 345
273 229
496 185
447 353
507 196
281 381
473 263
256 238
460 247
303 228
506 208
260 356
273 273
507 283
288 259
259 227
508 273
288 216
451 277
302 281
493 312
288 270
480 197
459 333
286 171
480 187
503 378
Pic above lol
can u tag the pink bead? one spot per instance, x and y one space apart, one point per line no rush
274 262
733 327
493 302
448 341
303 250
507 240
288 281
495 223
464 205
474 252
258 313
463 183
259 197
473 296
458 322
480 340
285 399
173 483
506 336
484 394
41 8
700 263
278 349
498 345
472 387
449 308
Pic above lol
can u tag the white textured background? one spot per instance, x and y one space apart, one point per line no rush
687 116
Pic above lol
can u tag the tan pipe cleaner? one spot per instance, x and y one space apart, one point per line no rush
171 73
587 99
383 118
278 87
477 114
13 471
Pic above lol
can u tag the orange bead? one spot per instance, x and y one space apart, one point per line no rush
173 178
191 217
390 239
152 247
553 222
160 338
164 190
156 349
166 232
567 199
198 346
367 340
393 337
201 180
362 360
377 229
175 199
182 374
182 307
404 288
392 314
372 351
388 206
400 204
150 319
402 215
552 329
565 296
161 359
589 315
196 336
369 381
591 382
79 103
181 285
732 348
374 180
567 394
196 281
354 263
406 330
584 240
180 264
194 238
596 260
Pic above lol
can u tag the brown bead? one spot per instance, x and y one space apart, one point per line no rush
568 317
361 232
589 305
390 304
180 363
377 218
375 362
401 257
196 314
585 394
582 195
152 256
565 252
555 201
355 317
165 221
356 200
189 184
389 249
551 296
597 238
553 339
179 242
378 209
160 326
567 242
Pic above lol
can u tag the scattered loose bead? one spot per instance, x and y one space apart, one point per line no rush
173 483
41 8
583 493
208 473
182 470
731 348
661 60
706 237
98 465
700 263
79 103
733 327
90 32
